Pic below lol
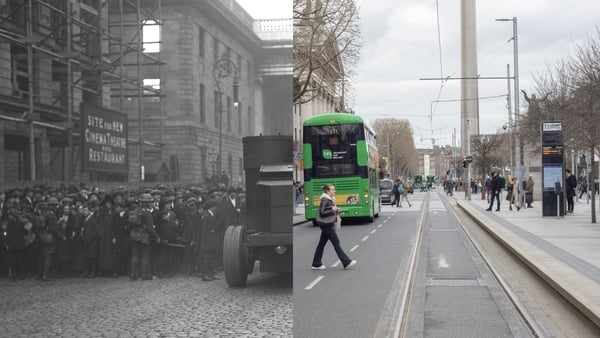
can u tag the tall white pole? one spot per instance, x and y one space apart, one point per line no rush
518 162
469 87
510 126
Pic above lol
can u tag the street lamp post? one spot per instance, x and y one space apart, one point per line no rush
517 132
223 68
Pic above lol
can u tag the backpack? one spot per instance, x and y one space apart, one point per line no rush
401 188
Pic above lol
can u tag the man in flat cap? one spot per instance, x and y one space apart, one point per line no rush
15 242
48 235
142 234
89 235
191 224
209 237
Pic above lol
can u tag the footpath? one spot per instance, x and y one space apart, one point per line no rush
564 251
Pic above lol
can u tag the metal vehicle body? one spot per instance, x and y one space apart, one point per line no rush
431 181
340 149
385 187
267 235
418 181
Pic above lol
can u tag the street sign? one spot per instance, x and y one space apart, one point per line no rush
552 169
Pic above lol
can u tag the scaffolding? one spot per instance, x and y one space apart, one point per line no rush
67 52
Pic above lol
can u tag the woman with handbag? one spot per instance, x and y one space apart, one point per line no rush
326 218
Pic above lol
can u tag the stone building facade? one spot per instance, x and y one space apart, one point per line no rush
185 112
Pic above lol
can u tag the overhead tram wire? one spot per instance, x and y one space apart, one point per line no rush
437 9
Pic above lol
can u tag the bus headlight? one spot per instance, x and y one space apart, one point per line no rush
366 196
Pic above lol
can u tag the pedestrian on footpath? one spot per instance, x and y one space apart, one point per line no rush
496 186
326 218
583 187
571 185
488 188
512 194
529 191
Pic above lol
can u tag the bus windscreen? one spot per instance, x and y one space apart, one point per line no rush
334 149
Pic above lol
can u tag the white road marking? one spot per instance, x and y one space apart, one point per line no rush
442 263
313 283
385 221
374 230
354 248
336 264
364 239
379 226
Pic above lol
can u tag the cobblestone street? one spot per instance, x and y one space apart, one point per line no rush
175 307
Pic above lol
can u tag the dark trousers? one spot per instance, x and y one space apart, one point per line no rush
140 259
495 195
207 261
190 259
396 198
329 234
570 202
167 260
15 259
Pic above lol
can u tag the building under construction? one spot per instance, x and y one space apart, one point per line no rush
90 87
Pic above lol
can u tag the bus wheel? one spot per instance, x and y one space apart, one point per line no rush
371 217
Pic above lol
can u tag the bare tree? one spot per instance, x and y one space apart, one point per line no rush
489 153
395 141
326 47
571 93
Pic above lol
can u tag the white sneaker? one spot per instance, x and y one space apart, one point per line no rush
352 263
322 267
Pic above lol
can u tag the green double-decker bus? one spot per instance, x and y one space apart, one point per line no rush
340 149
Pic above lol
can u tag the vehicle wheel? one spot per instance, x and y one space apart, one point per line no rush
371 218
251 261
235 256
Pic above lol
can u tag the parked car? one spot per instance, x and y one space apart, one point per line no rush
385 187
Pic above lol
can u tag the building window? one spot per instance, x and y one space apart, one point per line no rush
228 113
217 109
215 49
203 162
200 42
202 104
151 36
249 75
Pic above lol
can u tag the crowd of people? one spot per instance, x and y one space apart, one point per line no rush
68 231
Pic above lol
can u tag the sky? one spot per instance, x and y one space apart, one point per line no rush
400 46
267 9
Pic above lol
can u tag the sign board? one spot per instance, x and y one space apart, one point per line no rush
552 169
104 143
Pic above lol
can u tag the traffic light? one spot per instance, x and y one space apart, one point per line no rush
464 162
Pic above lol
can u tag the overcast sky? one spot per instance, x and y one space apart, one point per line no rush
268 9
400 45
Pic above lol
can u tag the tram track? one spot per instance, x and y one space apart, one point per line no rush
536 329
401 326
